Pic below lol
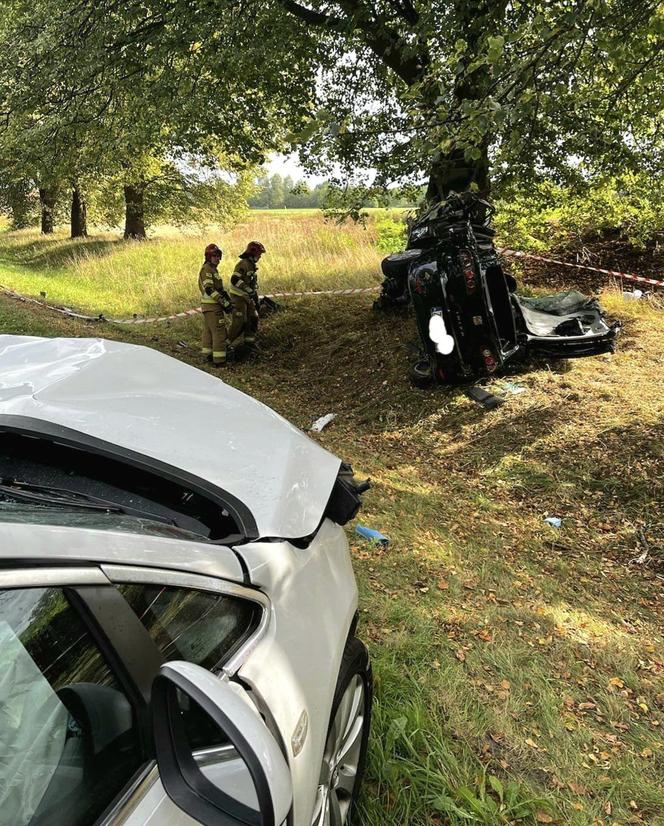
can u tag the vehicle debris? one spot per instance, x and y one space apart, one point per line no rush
510 388
376 537
322 422
488 400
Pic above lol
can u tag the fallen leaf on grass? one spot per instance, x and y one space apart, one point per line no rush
577 788
543 817
532 743
460 656
443 585
485 635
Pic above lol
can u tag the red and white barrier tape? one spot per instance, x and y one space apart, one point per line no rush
630 276
157 319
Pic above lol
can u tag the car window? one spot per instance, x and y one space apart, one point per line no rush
201 627
68 737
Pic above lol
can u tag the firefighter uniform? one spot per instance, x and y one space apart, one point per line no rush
214 301
243 290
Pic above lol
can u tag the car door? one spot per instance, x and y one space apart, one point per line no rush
75 728
213 624
77 665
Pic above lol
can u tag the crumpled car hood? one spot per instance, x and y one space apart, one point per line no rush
146 402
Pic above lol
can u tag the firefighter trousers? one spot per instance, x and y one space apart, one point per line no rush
245 319
214 338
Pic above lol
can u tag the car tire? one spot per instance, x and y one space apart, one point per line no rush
420 374
396 265
347 739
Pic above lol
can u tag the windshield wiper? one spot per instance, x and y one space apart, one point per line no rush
65 498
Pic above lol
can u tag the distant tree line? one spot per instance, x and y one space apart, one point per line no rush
168 194
283 192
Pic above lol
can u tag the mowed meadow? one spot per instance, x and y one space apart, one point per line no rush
103 274
519 667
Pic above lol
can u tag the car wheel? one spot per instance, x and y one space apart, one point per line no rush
346 744
420 374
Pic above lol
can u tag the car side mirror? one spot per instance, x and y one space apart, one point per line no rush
253 788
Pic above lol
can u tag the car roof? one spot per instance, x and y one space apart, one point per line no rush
150 405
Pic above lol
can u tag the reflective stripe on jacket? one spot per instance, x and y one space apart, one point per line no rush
210 285
243 280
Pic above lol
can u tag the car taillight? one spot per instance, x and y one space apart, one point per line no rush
490 361
469 274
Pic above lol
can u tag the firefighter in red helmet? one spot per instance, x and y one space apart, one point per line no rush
215 301
244 296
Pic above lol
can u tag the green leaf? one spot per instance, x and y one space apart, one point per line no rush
497 786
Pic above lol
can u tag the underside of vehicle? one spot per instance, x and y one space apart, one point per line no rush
471 321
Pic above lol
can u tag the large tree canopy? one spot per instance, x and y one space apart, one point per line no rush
450 87
457 90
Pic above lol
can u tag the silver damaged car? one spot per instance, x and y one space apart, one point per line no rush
177 603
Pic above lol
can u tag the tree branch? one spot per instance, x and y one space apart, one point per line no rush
315 18
406 10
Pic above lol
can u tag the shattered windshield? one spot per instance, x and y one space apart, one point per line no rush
60 516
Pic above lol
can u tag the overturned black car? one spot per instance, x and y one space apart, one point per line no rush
471 321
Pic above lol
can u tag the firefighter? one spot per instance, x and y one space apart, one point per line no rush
244 296
215 301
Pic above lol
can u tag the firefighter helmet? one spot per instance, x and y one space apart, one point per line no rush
254 249
213 250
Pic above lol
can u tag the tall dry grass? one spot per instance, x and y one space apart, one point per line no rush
115 277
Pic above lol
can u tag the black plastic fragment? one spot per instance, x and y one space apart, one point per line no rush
483 397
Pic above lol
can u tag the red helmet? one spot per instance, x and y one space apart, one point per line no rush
212 250
254 248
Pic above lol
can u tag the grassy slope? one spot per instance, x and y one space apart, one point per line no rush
512 659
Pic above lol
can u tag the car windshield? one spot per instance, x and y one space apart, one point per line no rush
72 517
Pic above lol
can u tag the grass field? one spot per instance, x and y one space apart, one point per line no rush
519 668
105 274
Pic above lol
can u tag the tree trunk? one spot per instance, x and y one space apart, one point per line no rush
47 200
454 173
20 198
79 213
134 211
